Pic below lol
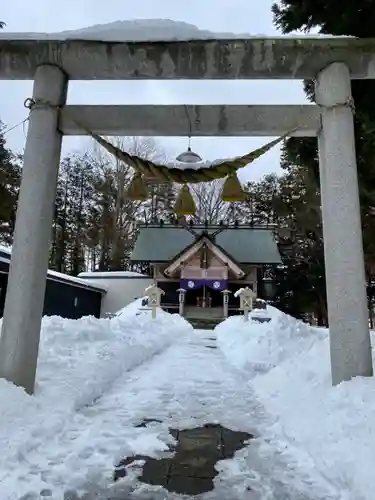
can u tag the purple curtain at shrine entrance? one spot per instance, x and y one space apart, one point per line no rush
193 284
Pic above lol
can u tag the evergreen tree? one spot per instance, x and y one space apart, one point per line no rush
74 199
290 205
331 17
10 175
300 154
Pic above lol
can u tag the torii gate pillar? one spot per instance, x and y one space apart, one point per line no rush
342 233
19 343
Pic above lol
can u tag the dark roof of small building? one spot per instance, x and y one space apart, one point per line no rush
5 255
245 244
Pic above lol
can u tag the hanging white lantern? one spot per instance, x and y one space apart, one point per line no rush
189 157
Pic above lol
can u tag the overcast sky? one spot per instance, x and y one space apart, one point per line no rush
244 16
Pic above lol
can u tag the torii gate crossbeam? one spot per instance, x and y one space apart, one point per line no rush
51 63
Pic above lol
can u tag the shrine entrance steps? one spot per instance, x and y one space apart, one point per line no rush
204 318
204 323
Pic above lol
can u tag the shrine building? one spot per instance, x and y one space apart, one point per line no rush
200 265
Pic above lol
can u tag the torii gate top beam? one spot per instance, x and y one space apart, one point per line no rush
251 58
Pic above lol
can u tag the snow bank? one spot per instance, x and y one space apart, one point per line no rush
258 347
135 30
79 361
110 274
332 428
328 430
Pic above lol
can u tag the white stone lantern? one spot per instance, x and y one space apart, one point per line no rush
154 294
247 296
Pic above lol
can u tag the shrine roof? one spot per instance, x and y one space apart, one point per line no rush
245 244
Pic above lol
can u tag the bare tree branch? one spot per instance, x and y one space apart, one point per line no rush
210 206
118 214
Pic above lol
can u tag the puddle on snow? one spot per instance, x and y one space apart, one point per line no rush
190 471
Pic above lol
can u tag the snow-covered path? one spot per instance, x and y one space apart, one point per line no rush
186 386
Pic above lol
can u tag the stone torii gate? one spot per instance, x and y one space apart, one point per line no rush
332 62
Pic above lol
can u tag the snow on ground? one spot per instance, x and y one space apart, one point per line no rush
75 279
330 430
98 379
5 249
79 361
185 386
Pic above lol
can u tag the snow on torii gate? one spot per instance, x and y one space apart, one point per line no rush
332 62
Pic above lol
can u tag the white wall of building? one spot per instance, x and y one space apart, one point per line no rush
123 287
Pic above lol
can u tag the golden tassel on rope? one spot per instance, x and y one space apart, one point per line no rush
137 189
184 204
232 189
